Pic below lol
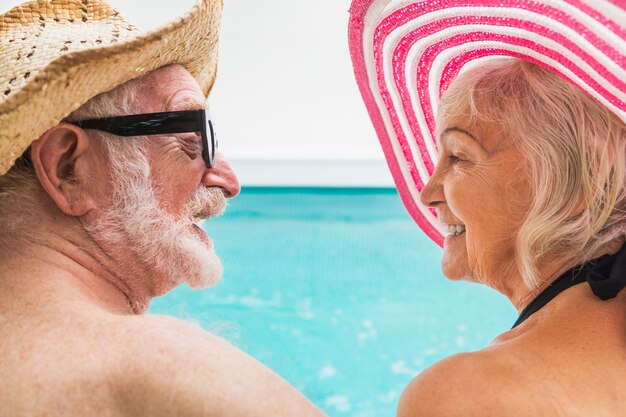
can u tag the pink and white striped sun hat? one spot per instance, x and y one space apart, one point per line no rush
406 53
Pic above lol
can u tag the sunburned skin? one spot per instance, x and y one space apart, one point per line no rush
73 337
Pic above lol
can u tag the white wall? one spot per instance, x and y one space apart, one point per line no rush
285 91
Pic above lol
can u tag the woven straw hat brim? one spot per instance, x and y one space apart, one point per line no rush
64 83
406 53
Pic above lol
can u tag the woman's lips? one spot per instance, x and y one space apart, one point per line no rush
453 238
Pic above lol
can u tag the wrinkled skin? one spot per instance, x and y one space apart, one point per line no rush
479 183
73 337
569 358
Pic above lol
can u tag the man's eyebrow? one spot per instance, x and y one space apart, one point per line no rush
457 129
190 104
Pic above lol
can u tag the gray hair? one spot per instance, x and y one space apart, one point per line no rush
576 156
20 188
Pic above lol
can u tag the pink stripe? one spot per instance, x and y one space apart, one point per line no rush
416 10
395 123
403 48
511 40
455 65
401 138
590 11
357 13
431 53
387 25
619 3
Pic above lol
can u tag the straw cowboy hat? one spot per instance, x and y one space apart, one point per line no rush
406 53
55 55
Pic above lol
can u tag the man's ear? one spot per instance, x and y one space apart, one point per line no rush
55 155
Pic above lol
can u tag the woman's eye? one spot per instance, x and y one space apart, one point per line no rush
454 159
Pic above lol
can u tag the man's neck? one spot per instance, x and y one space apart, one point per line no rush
70 262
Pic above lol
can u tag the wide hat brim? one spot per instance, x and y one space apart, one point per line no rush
63 84
405 55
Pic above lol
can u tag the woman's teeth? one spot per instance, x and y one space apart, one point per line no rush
453 229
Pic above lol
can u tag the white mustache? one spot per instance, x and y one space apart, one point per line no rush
205 203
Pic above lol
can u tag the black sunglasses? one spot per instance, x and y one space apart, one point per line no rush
184 121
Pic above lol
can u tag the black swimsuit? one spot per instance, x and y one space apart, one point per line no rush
606 277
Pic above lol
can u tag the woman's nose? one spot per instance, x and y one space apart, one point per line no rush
222 175
432 193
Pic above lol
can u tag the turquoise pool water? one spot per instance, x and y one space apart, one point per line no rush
339 292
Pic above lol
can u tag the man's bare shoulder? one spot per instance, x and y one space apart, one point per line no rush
174 366
170 331
477 384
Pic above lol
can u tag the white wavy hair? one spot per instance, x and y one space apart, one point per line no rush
576 157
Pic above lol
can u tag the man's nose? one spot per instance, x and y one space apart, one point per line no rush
223 176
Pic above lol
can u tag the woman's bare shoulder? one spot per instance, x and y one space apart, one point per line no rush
486 382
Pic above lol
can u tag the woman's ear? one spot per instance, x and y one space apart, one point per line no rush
55 156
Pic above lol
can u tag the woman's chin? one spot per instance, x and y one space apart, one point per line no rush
453 267
452 274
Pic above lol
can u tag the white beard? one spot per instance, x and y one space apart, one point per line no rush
170 248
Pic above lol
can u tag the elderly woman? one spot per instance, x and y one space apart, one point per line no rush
530 190
531 184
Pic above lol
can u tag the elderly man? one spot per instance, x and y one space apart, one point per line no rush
99 215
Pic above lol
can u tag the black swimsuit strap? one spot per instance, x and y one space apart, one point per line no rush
606 277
